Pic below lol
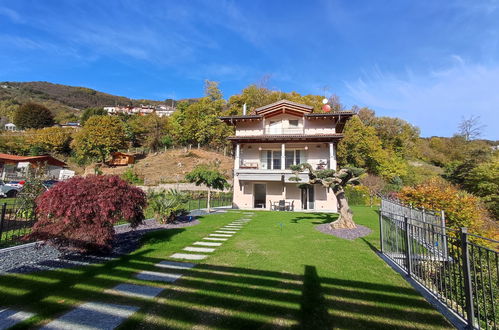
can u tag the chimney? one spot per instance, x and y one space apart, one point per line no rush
244 109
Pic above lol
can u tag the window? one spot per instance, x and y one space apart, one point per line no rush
294 157
293 123
271 159
276 160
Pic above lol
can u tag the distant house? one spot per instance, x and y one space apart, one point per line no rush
164 110
121 159
10 127
14 167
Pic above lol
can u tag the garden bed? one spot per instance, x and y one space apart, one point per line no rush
40 256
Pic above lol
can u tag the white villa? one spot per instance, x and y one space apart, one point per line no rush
277 136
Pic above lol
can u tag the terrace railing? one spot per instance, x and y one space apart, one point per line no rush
460 269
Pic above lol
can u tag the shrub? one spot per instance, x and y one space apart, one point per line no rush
132 177
461 208
357 195
80 213
26 198
167 205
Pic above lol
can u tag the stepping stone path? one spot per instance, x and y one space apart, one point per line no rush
104 316
92 315
10 317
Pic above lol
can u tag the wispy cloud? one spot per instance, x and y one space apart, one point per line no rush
435 100
11 14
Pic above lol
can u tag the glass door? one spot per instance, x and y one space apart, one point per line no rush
260 195
308 198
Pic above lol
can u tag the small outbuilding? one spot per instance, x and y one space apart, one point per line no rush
13 167
121 159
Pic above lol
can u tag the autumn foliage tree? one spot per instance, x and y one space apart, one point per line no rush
80 213
100 136
50 139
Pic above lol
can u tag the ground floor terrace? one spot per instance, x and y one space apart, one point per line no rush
257 269
281 194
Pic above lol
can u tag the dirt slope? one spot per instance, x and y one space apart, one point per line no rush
172 165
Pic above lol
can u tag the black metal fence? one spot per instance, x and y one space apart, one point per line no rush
16 221
201 203
458 268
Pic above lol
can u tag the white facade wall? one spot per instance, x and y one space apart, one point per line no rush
250 165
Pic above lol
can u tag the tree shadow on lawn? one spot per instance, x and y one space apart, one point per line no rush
320 218
225 297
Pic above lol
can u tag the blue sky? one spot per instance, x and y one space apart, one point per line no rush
429 62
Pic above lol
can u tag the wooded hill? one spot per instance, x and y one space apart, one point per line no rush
64 101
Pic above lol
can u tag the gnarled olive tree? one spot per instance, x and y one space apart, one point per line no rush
335 180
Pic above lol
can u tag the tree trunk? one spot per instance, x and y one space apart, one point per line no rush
208 200
345 221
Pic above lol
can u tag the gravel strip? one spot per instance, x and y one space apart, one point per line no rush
350 234
42 256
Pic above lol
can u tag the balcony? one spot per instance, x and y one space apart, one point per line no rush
283 131
256 166
269 175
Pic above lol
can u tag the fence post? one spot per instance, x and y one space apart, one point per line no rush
407 247
381 229
444 234
468 288
4 209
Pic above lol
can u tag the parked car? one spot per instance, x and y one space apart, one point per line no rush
49 183
7 190
16 183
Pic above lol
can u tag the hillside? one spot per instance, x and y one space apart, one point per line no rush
64 101
172 165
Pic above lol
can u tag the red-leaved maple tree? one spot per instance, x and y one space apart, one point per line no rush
80 213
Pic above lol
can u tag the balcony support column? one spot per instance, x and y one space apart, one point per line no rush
236 160
283 156
332 156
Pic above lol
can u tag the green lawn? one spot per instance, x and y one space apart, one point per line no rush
276 272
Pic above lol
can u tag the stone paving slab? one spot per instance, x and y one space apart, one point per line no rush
134 290
92 316
231 228
207 243
188 256
198 249
225 232
215 239
147 275
220 235
10 317
175 265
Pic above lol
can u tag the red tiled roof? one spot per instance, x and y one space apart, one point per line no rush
32 159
